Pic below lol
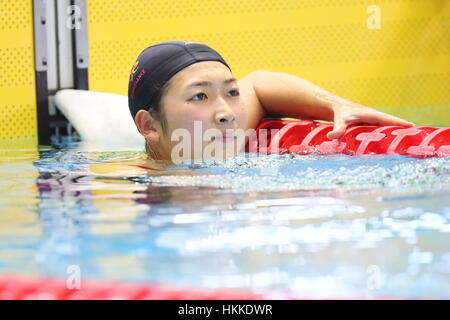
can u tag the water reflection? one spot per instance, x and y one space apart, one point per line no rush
314 227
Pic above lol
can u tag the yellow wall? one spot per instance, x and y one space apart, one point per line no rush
17 83
402 68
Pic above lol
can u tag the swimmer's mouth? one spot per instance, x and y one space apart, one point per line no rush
224 138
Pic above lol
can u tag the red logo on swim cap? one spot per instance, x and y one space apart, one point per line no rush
133 89
134 69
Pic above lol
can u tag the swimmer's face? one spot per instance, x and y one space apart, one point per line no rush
204 94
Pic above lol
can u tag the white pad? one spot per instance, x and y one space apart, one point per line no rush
98 117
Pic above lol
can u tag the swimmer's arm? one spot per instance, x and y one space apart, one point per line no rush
285 95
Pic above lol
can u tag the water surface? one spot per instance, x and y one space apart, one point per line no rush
305 226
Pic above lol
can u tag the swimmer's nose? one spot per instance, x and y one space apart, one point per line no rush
224 116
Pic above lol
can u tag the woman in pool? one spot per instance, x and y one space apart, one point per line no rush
180 85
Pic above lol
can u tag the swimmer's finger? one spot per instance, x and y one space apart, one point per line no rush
338 129
385 119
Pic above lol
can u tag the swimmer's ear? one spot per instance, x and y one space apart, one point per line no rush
147 125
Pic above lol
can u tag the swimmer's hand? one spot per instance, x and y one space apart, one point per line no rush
346 114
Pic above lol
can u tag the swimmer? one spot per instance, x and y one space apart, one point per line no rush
175 84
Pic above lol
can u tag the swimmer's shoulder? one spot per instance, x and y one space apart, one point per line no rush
255 110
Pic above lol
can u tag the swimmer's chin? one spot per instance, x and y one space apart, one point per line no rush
203 158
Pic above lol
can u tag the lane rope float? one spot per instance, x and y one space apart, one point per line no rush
310 137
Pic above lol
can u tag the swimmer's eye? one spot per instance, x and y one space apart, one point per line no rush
198 95
235 93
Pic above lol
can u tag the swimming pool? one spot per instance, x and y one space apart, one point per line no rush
282 225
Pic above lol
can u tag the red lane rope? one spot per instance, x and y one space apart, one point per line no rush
309 137
14 287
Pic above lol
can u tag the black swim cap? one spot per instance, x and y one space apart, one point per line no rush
160 62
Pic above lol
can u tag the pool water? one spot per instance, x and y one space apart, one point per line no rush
287 226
